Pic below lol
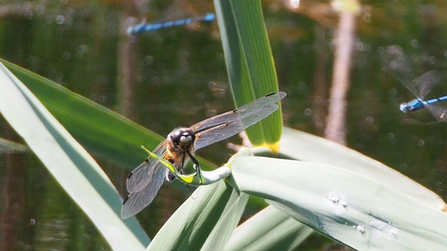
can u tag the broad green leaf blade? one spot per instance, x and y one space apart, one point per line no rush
291 232
249 61
343 205
95 127
204 222
303 146
270 229
69 163
98 129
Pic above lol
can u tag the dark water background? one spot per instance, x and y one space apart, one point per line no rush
179 77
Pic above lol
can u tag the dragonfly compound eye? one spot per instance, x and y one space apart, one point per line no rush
403 107
183 138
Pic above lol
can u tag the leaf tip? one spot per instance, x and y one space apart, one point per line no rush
274 147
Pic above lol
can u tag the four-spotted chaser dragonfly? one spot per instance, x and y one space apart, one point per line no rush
146 179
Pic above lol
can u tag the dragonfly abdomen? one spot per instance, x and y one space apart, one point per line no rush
432 101
156 26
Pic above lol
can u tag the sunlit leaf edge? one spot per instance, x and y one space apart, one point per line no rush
342 205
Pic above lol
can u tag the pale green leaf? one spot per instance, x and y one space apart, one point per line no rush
270 229
76 171
204 222
304 146
352 209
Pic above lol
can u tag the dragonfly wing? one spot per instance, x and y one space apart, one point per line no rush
237 120
396 64
136 201
236 113
439 111
142 175
426 82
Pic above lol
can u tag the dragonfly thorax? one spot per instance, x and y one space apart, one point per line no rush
413 105
182 138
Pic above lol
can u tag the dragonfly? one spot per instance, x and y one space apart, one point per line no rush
422 86
145 27
144 182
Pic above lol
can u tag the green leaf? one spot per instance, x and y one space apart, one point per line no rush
360 212
69 163
304 146
270 229
97 128
204 222
249 60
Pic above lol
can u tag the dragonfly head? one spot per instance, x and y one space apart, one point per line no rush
182 138
405 108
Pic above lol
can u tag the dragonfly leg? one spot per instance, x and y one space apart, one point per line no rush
180 168
196 165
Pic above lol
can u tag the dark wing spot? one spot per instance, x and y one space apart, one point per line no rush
128 196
